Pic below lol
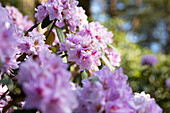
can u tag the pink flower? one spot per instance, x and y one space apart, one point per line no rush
105 91
45 81
41 12
65 12
32 44
83 50
113 56
8 37
81 16
99 32
142 103
21 21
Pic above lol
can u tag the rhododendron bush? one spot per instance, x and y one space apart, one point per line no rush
71 68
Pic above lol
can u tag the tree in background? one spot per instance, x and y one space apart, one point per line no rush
147 21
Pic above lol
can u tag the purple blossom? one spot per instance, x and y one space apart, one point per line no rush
21 21
41 12
8 37
109 94
65 12
32 44
45 81
168 83
99 32
81 16
142 103
113 56
114 81
83 50
149 59
91 97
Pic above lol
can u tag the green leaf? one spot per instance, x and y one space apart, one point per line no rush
84 74
5 80
10 85
33 27
46 22
110 46
15 71
60 34
54 49
50 37
25 111
22 57
95 79
1 64
107 62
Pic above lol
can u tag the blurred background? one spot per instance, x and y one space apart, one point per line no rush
140 27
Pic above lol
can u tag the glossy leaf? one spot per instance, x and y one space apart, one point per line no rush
33 27
22 57
46 22
60 34
50 37
25 111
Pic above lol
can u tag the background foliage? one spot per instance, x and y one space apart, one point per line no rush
142 78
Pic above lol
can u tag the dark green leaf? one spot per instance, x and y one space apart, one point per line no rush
22 57
10 85
46 22
5 80
33 27
50 37
25 111
60 34
15 71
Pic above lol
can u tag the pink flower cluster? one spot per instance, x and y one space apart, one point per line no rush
21 21
65 12
32 44
99 32
85 46
8 38
109 92
82 49
45 81
43 76
142 103
113 56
